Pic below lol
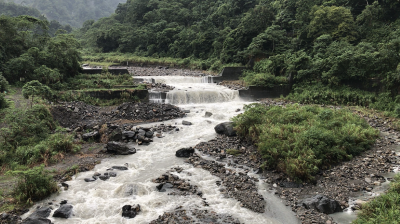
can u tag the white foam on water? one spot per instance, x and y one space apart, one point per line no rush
102 201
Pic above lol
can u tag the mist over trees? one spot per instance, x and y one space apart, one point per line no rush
71 12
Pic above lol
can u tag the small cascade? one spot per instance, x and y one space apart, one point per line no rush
157 97
201 96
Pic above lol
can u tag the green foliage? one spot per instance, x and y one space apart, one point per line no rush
25 127
300 140
3 83
384 208
3 101
33 185
344 95
35 88
25 47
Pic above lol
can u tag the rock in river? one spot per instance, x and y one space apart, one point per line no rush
322 204
120 148
226 129
39 216
184 152
129 211
64 211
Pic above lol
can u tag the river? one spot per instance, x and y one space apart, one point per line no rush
101 201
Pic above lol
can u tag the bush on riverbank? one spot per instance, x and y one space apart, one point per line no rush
383 209
300 140
344 95
33 185
27 138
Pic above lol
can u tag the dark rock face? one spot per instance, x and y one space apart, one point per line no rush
64 211
39 217
322 204
184 152
129 211
120 148
226 129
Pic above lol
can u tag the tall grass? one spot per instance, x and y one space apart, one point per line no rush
122 58
301 140
384 208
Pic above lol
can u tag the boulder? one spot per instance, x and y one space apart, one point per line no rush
64 211
104 177
129 211
208 114
149 134
120 148
120 167
90 179
226 129
184 152
116 135
186 123
39 216
128 134
91 135
322 204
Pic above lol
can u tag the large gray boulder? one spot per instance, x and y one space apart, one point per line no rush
322 204
120 148
225 129
91 135
38 217
64 211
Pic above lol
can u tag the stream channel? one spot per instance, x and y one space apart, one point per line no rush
101 201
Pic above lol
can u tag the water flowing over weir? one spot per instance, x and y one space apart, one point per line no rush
101 201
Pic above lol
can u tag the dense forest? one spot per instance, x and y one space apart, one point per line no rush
332 42
70 12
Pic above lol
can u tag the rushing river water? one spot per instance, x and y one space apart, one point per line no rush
101 201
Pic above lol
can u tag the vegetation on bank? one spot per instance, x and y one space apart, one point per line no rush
106 59
384 208
317 93
301 140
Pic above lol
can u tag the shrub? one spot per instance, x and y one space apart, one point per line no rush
3 83
233 152
33 185
300 140
3 102
384 208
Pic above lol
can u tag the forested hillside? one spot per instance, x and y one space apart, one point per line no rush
14 10
329 43
72 12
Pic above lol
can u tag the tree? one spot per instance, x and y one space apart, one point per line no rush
35 88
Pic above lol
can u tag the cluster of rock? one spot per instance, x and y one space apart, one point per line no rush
235 184
176 186
183 216
160 87
40 216
126 133
107 175
163 71
130 211
79 116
